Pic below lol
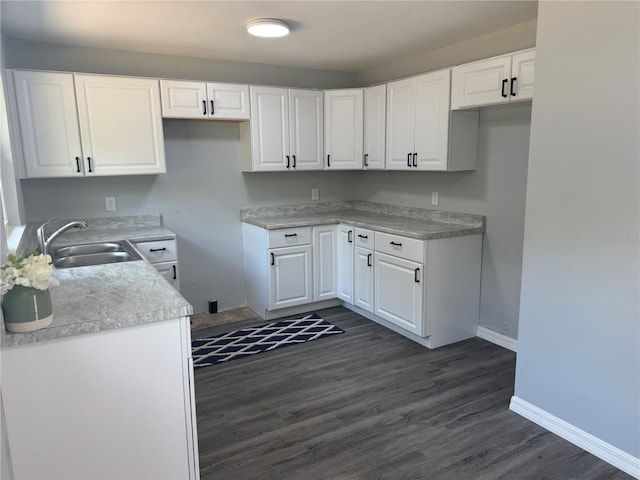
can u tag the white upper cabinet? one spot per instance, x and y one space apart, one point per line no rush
285 132
375 107
76 125
422 132
494 81
343 129
48 121
216 101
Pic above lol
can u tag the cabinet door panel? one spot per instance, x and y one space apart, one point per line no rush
432 120
120 124
269 128
344 118
400 123
398 296
48 123
325 263
169 271
523 69
481 83
345 262
182 99
375 108
230 102
290 277
363 279
306 123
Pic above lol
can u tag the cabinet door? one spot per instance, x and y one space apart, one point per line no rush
226 101
345 262
325 262
522 74
432 120
120 124
48 124
306 123
400 124
343 129
481 83
290 277
269 128
181 99
363 279
398 291
375 107
169 270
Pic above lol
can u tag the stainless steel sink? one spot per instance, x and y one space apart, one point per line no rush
94 254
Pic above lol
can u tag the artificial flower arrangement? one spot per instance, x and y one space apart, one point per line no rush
33 270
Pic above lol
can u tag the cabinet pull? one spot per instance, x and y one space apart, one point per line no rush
504 84
395 244
417 275
513 83
328 160
362 236
294 161
158 249
368 260
290 235
415 159
349 237
204 107
174 272
408 160
288 165
366 159
213 110
78 164
273 259
89 162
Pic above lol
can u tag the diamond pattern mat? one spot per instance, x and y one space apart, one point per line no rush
249 341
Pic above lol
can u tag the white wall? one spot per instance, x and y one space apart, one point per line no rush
579 342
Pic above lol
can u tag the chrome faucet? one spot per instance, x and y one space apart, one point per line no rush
45 242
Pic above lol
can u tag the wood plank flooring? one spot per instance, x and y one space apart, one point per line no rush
369 404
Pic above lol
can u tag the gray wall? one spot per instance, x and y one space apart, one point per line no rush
579 343
496 189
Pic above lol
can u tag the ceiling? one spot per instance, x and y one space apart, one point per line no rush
348 36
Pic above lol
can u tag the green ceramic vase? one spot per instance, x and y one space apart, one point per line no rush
26 309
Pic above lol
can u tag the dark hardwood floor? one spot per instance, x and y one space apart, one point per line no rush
369 404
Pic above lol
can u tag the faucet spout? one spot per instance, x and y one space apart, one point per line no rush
45 242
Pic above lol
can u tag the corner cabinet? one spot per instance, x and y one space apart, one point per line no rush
343 129
494 81
422 132
204 100
285 132
84 125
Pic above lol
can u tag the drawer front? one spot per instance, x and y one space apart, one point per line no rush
399 246
364 238
161 251
289 237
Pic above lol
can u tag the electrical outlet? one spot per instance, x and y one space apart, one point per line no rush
110 204
315 193
434 198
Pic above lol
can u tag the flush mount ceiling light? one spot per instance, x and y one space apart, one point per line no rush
268 27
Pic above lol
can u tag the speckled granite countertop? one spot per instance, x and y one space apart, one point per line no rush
417 223
105 297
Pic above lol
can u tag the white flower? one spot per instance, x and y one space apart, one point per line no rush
35 270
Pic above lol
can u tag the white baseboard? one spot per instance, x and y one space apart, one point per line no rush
601 449
498 338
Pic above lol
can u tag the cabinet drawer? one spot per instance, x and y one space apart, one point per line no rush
160 251
289 237
403 247
364 238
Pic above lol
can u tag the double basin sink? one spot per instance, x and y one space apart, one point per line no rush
94 254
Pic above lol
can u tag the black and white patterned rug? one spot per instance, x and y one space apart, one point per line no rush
249 341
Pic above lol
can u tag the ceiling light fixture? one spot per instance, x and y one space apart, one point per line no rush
268 27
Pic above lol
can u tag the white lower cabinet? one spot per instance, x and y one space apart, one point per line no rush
363 278
325 262
163 255
290 277
121 399
346 235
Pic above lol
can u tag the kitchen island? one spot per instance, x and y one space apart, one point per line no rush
107 390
